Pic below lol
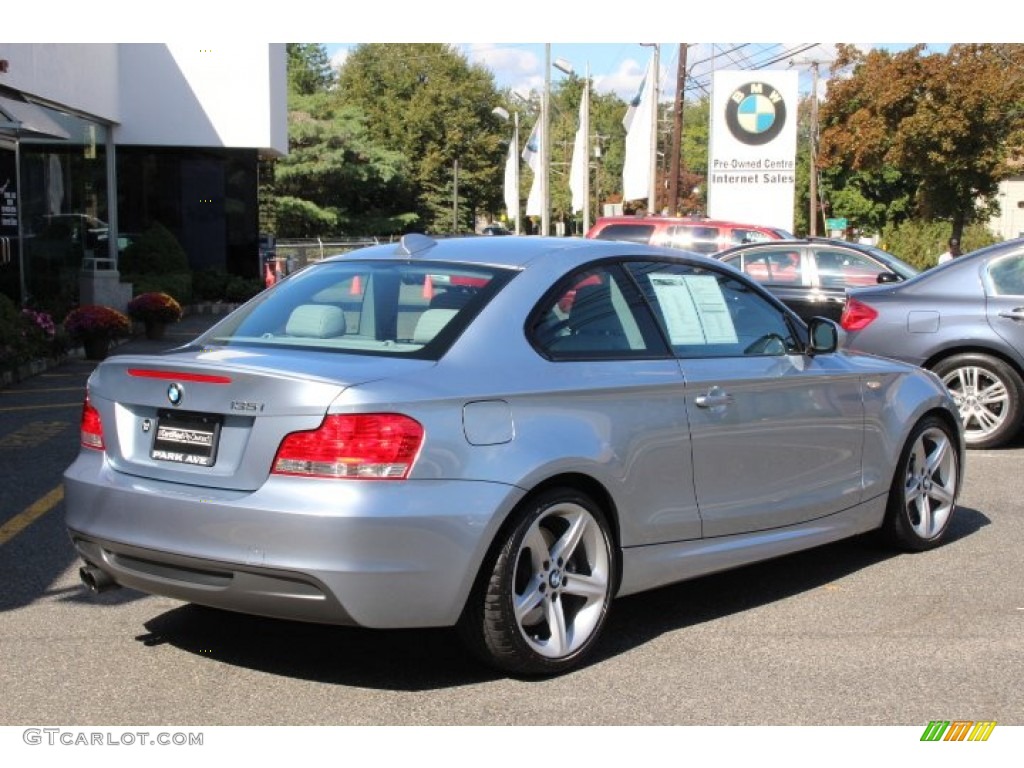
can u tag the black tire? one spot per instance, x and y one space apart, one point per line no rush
924 490
543 595
988 393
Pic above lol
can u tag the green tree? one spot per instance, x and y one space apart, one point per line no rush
935 132
309 69
334 180
426 102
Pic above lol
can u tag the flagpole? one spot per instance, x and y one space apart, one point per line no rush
545 146
515 139
586 150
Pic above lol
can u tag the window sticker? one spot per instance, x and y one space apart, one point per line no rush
694 309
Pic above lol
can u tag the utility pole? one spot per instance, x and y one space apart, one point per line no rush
652 201
677 132
455 198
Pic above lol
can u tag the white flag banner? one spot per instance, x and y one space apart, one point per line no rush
636 169
531 154
511 185
578 169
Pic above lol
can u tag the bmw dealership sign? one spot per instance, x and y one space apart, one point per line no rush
752 156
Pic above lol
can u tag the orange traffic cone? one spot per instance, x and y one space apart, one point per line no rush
428 288
357 286
270 278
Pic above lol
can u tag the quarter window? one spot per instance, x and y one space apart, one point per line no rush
596 314
1006 276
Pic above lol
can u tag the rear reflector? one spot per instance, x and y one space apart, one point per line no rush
92 426
367 446
202 378
857 315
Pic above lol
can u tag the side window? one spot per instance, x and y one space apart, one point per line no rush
839 269
595 314
771 266
633 233
1006 276
740 236
705 313
694 238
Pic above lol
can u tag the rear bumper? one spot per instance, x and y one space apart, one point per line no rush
368 553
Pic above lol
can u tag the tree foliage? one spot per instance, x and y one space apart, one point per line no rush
334 179
309 69
427 103
925 134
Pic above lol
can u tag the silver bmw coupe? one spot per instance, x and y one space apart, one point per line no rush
498 434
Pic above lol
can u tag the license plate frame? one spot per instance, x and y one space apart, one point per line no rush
186 437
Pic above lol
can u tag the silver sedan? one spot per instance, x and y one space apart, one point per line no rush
498 434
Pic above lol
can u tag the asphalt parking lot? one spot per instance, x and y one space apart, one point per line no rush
849 634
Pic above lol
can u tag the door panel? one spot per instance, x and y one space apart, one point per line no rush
777 436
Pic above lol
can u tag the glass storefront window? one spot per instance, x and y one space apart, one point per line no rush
62 201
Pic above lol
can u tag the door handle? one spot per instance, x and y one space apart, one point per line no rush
1017 313
715 397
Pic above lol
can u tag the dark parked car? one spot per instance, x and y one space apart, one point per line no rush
811 275
963 319
501 434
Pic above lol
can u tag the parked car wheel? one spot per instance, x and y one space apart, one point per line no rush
544 598
924 489
988 393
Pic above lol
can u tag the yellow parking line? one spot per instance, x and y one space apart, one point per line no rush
30 514
40 407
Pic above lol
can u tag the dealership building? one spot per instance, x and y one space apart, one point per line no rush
100 141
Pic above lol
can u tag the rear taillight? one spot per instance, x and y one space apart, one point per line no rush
857 315
366 446
92 426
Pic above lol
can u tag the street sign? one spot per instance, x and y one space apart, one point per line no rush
831 224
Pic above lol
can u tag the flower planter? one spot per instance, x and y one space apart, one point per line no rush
155 329
96 347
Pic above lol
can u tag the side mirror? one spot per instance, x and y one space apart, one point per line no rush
824 334
887 277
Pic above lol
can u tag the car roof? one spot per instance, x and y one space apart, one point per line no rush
512 252
676 220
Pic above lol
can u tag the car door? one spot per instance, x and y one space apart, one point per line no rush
776 435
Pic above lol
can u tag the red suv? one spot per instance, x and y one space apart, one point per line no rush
688 234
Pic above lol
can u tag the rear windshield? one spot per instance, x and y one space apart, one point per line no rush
633 233
398 309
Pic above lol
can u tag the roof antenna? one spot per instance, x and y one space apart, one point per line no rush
410 245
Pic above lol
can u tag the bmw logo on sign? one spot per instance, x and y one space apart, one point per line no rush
755 113
175 394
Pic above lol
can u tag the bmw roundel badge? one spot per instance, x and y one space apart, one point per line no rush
175 394
755 113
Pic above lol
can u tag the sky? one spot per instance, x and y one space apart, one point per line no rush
619 67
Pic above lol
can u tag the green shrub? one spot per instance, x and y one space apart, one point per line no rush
920 243
156 251
210 285
178 285
242 288
26 334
